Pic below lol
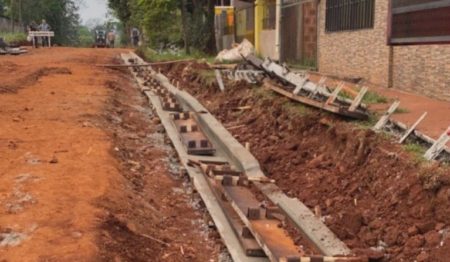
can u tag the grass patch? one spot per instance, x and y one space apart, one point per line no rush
153 56
401 110
264 93
346 95
305 64
374 98
208 76
369 123
13 37
416 150
296 108
369 98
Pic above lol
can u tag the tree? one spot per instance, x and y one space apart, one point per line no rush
185 22
86 38
202 24
61 15
121 10
2 7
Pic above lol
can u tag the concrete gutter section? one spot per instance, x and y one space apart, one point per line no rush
312 228
309 225
243 159
201 185
319 235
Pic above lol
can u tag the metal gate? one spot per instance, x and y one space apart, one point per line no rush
299 33
245 24
224 27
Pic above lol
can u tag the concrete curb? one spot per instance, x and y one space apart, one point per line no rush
311 227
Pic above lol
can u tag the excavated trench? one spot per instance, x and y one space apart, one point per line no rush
377 198
157 215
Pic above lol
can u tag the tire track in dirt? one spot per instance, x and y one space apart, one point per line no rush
66 194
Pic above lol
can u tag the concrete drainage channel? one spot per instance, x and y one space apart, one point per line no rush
230 182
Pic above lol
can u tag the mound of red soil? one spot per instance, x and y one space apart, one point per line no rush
372 195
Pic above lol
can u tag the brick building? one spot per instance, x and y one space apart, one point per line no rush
401 44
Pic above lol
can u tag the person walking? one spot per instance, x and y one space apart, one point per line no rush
44 27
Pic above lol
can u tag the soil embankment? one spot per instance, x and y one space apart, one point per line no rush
374 196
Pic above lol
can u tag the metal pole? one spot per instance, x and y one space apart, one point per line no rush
185 27
278 33
260 5
20 13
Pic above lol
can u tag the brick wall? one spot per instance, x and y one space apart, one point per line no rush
423 69
309 38
356 54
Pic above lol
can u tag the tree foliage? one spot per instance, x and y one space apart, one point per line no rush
61 15
162 23
2 7
85 36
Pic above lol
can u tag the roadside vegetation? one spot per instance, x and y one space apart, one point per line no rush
152 55
166 23
13 37
61 15
86 37
416 150
374 98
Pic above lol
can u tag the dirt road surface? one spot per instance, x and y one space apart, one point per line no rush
85 174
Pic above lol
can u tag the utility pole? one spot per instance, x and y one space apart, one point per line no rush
185 26
20 13
12 15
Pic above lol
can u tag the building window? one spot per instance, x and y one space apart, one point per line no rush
420 22
343 15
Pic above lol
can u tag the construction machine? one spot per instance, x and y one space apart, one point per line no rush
100 39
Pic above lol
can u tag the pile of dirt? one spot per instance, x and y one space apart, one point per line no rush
374 196
197 74
29 78
154 219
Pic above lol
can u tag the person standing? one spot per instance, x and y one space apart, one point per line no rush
32 28
45 28
135 36
3 45
111 38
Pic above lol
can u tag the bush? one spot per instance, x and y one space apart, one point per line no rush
13 37
151 55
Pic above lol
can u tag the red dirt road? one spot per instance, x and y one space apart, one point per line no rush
67 191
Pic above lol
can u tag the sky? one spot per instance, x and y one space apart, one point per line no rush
93 10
